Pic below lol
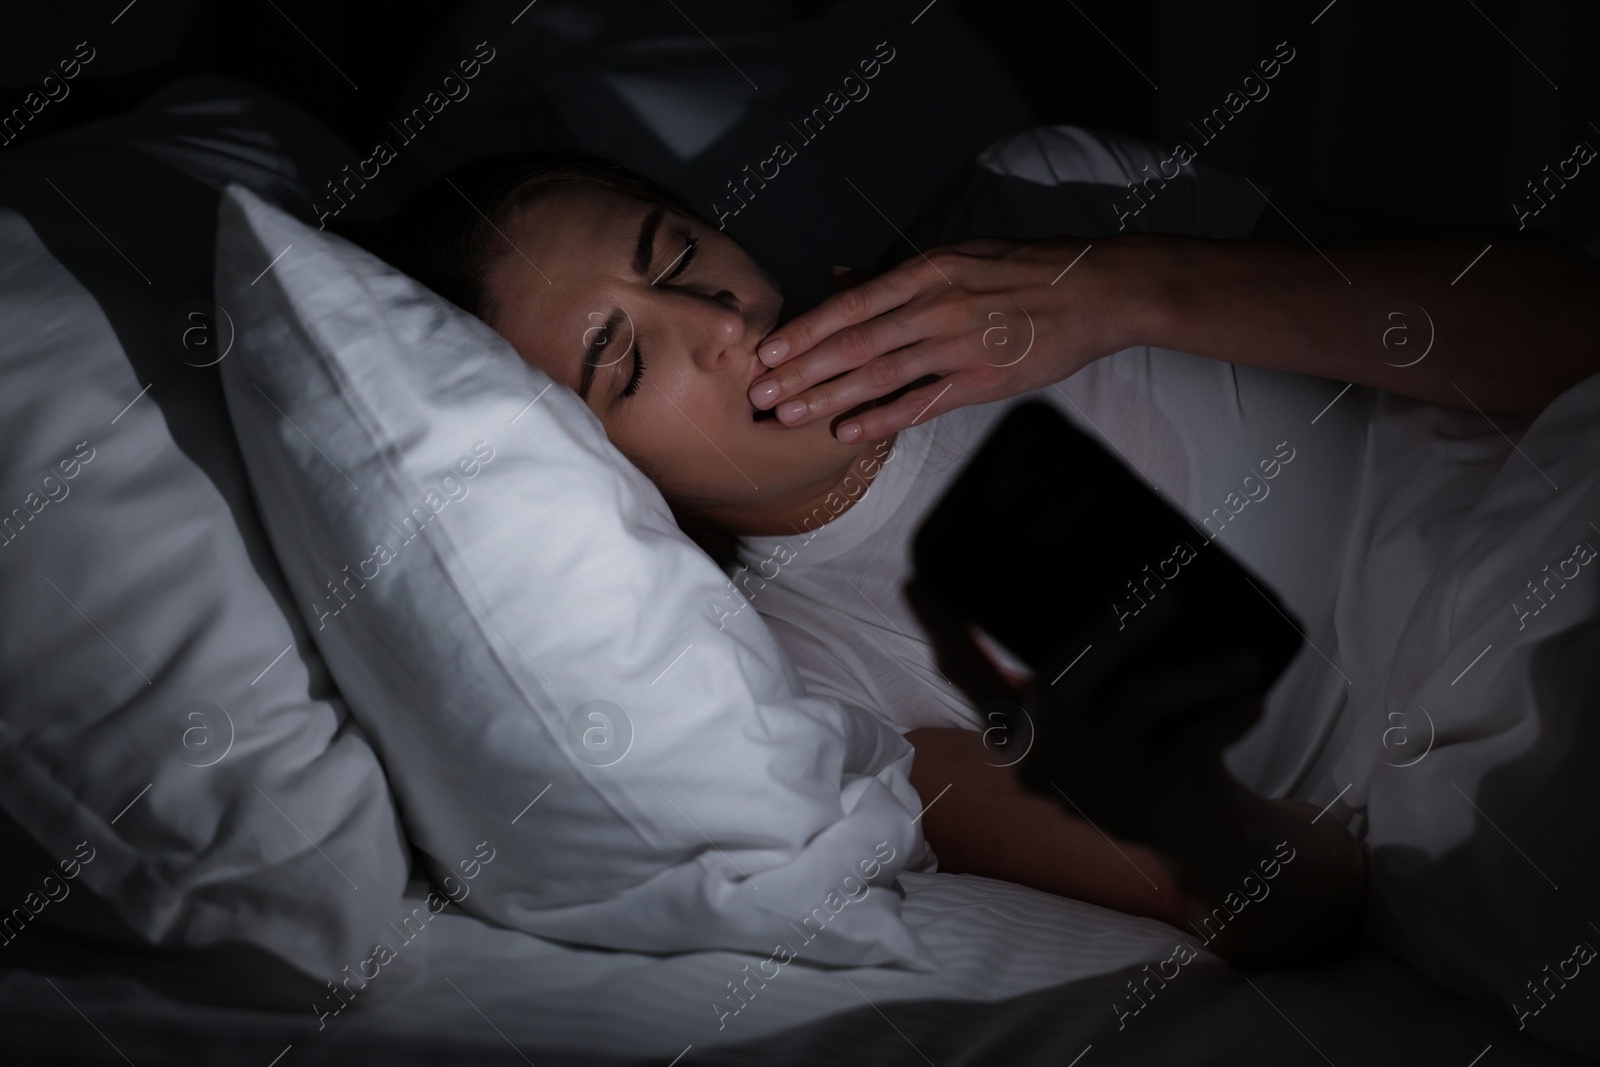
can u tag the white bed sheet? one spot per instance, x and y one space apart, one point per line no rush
993 940
470 992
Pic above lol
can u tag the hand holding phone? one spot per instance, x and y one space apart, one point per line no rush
1132 738
1151 647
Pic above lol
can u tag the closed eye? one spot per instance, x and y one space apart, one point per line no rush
638 373
690 246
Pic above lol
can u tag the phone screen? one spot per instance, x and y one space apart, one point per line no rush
1045 535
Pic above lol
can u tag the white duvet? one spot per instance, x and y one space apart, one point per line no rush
1445 712
1467 623
1443 565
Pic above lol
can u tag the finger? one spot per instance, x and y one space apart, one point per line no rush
908 409
958 657
813 380
855 305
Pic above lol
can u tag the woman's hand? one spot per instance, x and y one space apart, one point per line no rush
1116 736
988 318
1135 739
1140 756
1132 742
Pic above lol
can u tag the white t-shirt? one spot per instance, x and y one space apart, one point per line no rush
835 597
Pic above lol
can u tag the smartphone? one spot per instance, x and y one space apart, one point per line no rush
1045 537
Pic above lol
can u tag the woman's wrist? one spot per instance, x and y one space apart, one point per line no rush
1134 289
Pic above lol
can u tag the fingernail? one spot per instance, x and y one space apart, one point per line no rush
849 432
791 410
763 394
773 351
841 270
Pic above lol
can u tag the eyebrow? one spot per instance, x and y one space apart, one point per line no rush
591 355
644 250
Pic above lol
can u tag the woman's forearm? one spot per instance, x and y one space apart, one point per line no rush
1506 333
978 820
1260 882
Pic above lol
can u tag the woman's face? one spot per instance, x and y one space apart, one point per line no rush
666 313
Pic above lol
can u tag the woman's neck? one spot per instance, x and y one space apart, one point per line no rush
813 505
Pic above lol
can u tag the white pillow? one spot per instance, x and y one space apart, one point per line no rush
169 737
524 632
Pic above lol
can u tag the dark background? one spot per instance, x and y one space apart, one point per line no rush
1441 109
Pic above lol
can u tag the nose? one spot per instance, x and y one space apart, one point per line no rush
718 331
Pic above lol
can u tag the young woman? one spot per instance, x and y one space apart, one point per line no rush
763 432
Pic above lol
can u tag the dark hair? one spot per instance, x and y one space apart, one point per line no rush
451 234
